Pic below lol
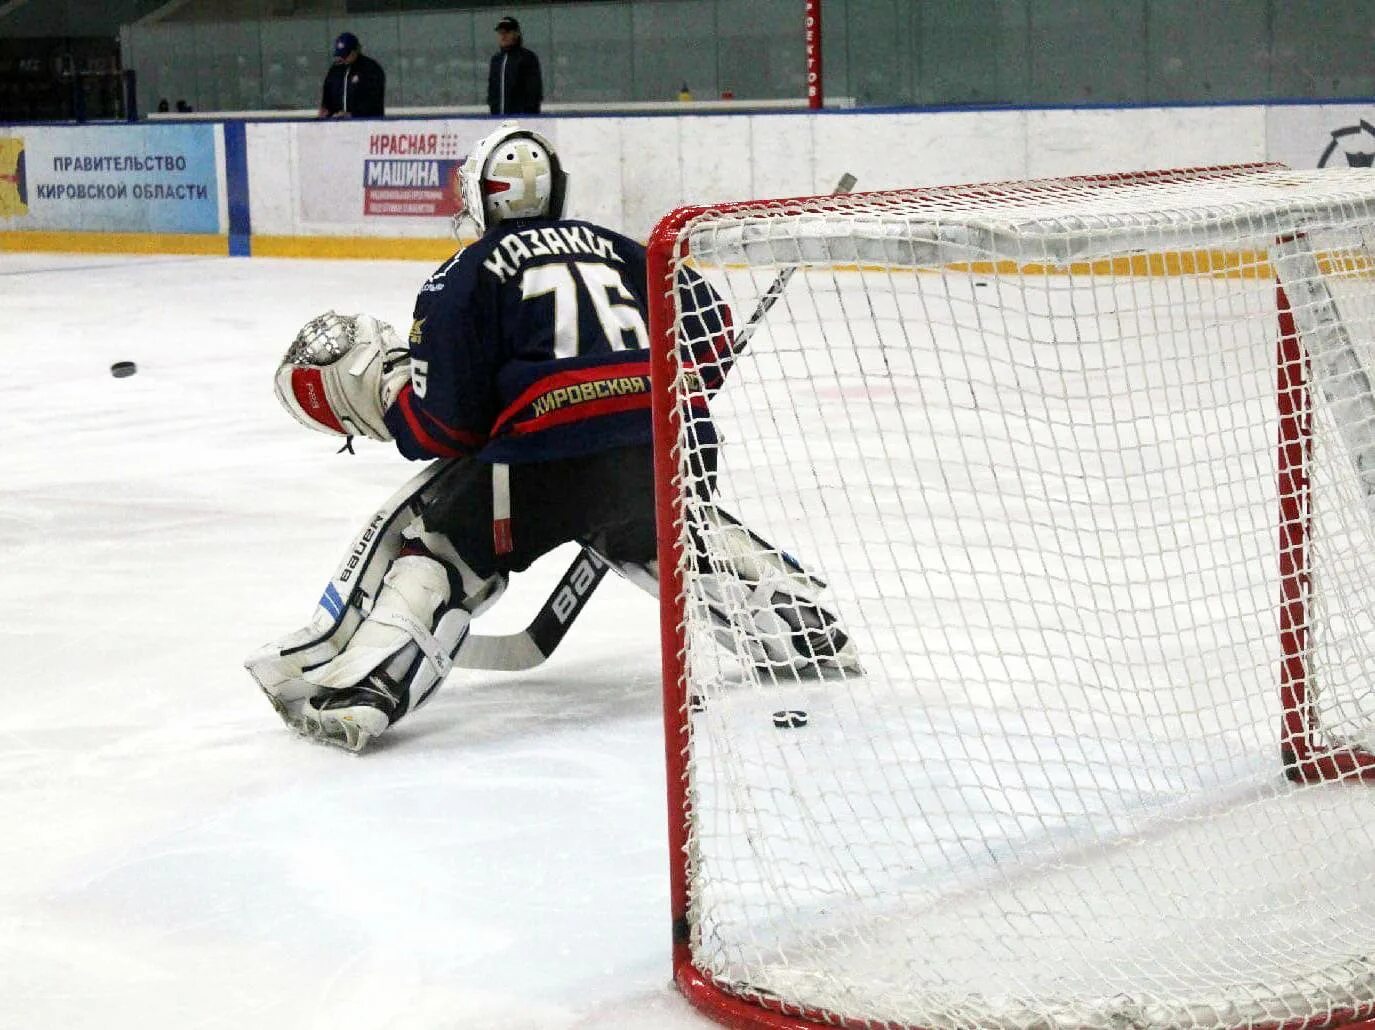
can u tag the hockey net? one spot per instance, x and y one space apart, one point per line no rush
1088 468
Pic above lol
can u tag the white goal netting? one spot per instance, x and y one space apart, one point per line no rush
1087 468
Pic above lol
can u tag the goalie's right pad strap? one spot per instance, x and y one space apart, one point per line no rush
415 593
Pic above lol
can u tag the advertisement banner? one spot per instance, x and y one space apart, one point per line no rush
405 175
1321 135
111 178
399 178
392 172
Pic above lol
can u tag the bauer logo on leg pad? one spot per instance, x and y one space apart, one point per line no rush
360 548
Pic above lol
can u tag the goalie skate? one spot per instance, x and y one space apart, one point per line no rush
351 718
394 663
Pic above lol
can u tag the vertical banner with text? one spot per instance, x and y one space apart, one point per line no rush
815 94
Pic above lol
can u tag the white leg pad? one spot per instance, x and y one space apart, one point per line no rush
763 607
279 668
776 624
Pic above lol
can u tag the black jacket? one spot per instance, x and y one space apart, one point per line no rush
357 88
514 85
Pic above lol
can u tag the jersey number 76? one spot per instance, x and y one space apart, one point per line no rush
615 306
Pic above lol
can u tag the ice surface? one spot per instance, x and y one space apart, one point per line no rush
171 855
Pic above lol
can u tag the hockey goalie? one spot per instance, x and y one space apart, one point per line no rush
525 381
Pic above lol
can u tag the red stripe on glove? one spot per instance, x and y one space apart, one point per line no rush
308 387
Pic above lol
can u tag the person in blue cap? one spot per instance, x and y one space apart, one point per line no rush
355 84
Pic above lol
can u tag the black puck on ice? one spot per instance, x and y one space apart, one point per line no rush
123 369
790 719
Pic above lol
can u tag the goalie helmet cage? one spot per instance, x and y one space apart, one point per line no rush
1089 467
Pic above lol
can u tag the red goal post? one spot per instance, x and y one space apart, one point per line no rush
1027 432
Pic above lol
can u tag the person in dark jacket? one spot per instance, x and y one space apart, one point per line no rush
355 84
514 85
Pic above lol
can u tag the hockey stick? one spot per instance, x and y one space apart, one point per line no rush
527 648
779 284
531 646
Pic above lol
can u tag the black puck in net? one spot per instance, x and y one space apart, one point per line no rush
791 719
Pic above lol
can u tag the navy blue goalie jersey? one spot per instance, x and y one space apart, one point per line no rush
531 345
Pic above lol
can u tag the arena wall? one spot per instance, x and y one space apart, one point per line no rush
384 188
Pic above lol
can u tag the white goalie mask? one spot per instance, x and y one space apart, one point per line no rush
511 173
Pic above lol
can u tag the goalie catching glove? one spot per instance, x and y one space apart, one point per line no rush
341 374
